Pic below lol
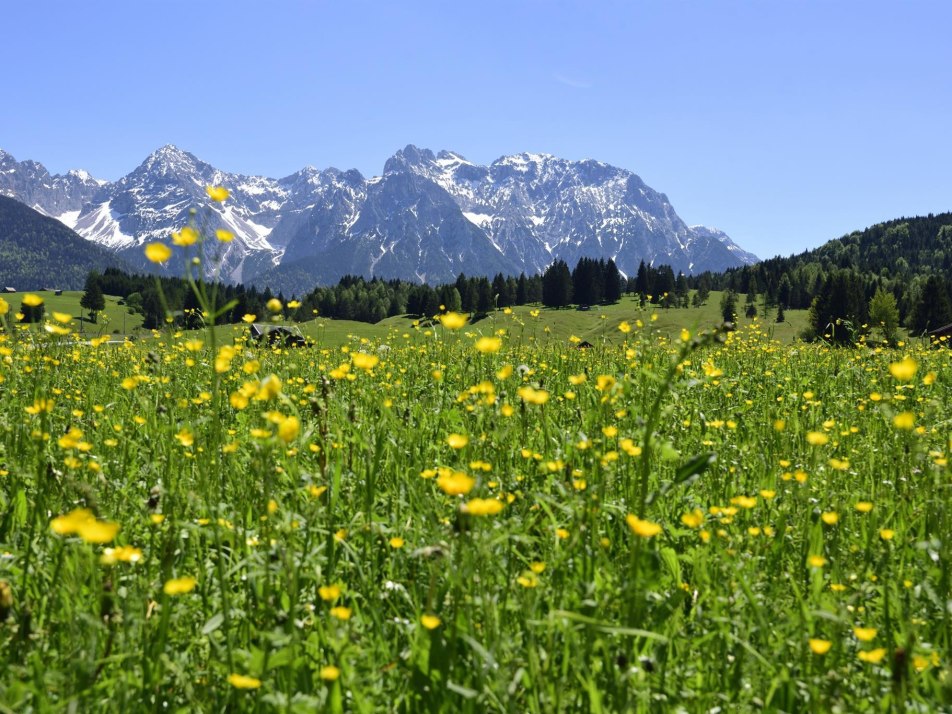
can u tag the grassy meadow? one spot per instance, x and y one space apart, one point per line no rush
474 517
114 319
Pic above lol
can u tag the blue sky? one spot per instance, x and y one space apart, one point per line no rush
783 123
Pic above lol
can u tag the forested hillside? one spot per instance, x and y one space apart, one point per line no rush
37 251
907 260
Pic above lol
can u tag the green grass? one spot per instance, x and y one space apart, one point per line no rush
601 322
648 525
114 319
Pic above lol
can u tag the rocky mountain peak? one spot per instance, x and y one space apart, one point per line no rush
428 216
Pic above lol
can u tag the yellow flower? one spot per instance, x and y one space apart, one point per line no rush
4 307
887 534
430 622
624 327
642 529
453 320
248 318
341 612
483 507
99 532
744 501
32 300
457 441
63 317
693 519
274 305
533 396
330 673
289 429
217 193
122 554
905 370
185 237
528 580
329 593
864 506
364 361
816 561
83 523
864 634
455 483
179 586
488 345
830 518
224 236
397 542
69 524
158 252
243 681
873 656
817 438
904 421
820 647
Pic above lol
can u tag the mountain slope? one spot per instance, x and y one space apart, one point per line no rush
428 217
37 251
61 197
523 212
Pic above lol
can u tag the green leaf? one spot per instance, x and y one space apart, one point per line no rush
464 692
214 622
695 466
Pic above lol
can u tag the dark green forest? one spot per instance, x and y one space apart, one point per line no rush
40 252
906 261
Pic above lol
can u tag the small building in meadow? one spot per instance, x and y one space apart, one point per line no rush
277 335
9 290
942 334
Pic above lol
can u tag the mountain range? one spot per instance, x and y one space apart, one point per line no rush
428 217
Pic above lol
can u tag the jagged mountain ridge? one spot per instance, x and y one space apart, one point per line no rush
428 217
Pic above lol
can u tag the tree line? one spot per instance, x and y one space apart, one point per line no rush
870 281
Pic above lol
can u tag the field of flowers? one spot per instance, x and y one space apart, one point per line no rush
452 519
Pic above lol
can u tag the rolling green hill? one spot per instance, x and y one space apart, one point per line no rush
115 319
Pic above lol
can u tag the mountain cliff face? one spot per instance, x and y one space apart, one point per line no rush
428 217
62 197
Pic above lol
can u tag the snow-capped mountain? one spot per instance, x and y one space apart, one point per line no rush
61 197
428 217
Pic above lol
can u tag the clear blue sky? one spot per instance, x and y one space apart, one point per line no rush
783 123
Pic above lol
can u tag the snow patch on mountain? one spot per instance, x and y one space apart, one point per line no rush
426 216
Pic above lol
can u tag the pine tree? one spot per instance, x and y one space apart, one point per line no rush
729 306
933 309
612 282
93 300
557 285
